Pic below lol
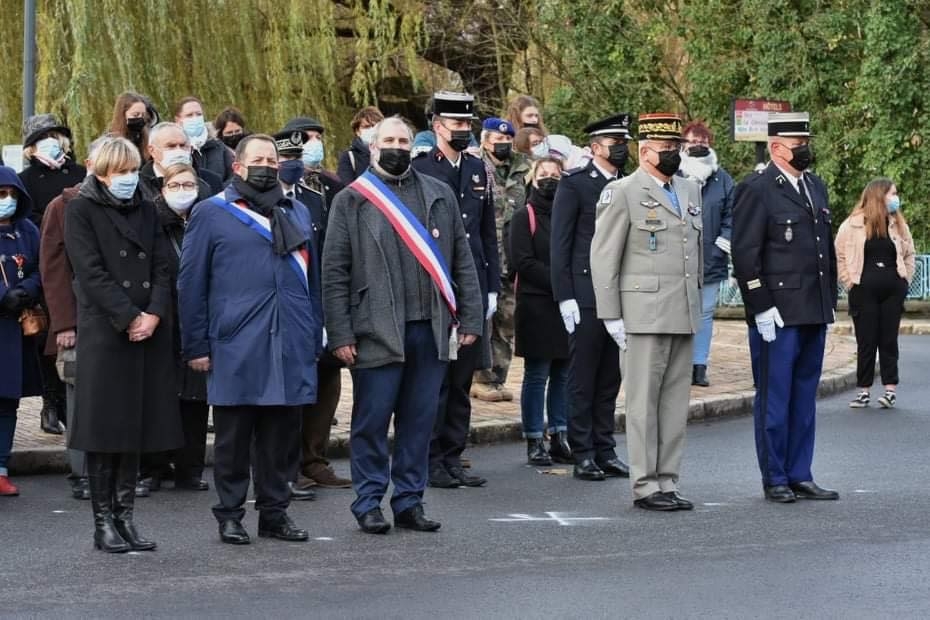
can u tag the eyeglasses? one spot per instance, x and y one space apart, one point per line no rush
176 187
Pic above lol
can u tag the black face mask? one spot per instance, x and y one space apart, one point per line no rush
136 124
801 157
459 140
394 161
233 140
698 151
261 178
669 161
617 155
531 125
502 151
546 187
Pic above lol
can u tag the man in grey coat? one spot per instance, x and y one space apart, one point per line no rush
646 261
391 320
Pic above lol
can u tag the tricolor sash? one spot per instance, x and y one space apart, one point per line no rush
298 259
412 233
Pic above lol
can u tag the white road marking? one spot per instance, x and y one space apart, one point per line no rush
561 518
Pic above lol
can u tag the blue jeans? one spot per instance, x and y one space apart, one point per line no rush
8 407
533 398
702 339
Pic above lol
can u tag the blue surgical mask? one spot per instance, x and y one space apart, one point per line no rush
123 186
368 135
893 204
291 171
175 156
49 148
7 207
193 126
313 153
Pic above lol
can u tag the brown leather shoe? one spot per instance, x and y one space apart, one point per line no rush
327 479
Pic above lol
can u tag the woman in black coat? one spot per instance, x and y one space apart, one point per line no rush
179 192
539 334
125 401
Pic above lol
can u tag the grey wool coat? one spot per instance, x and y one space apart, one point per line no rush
363 297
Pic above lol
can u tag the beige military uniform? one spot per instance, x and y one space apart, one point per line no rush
646 267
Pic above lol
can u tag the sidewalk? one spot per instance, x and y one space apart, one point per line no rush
730 394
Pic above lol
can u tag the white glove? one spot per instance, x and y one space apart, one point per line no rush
766 322
492 306
571 314
617 331
325 338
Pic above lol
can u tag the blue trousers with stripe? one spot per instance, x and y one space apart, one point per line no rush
786 374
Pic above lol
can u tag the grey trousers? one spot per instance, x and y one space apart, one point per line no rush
657 379
76 458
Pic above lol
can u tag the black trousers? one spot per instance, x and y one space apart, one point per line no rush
189 460
273 431
594 382
876 306
450 432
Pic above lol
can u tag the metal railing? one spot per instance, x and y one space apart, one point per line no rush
919 288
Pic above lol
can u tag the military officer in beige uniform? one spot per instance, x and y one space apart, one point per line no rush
646 266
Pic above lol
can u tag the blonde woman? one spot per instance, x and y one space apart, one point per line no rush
875 262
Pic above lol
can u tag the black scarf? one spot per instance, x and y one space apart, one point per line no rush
285 236
543 205
97 191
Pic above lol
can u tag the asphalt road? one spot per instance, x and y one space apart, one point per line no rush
529 544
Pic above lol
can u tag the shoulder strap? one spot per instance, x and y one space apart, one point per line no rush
532 213
352 160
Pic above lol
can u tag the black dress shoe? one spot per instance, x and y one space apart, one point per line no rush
779 493
614 468
588 470
699 375
467 480
301 495
414 519
536 453
80 489
192 484
441 479
657 501
683 504
373 522
810 490
232 533
283 529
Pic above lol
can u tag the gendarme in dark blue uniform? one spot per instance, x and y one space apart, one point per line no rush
785 264
469 182
594 364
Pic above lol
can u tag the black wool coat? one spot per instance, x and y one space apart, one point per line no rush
44 184
538 329
125 392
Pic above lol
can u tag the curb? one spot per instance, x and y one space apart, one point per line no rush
702 409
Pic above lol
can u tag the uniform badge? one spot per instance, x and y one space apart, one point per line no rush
435 233
754 284
780 180
594 174
649 204
789 234
605 196
475 178
693 210
651 214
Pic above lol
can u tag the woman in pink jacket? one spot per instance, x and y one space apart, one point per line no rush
875 262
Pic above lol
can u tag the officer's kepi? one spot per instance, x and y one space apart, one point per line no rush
448 104
616 126
790 125
289 142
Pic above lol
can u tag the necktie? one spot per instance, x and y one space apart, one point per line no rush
804 196
673 197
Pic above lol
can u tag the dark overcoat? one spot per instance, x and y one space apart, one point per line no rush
125 398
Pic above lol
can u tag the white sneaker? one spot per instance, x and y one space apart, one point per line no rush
861 401
887 400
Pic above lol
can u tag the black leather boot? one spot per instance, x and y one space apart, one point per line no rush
536 453
100 478
124 498
699 375
559 449
50 416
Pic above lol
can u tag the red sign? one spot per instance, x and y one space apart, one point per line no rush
751 118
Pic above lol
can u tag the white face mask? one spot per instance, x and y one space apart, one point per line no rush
368 135
540 150
180 202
